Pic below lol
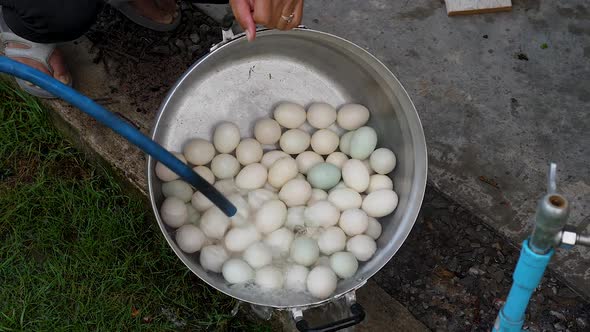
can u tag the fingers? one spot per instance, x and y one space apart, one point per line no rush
263 11
287 15
60 71
298 11
243 14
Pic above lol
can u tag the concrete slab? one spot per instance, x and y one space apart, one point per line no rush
500 96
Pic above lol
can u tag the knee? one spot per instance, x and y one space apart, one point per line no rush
53 21
74 18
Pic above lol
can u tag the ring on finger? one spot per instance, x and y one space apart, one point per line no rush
289 18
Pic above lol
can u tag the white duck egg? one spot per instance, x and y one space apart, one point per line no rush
174 212
212 257
249 151
178 189
237 271
269 277
324 141
344 264
243 210
354 222
295 141
321 115
345 142
270 157
194 216
267 131
295 192
226 137
323 261
240 238
363 143
352 116
257 197
305 251
383 161
201 202
252 177
271 216
380 203
321 282
379 182
340 185
368 167
198 151
268 187
355 175
321 214
317 195
295 219
225 166
332 240
190 238
164 173
295 277
290 115
226 186
205 173
280 241
258 255
345 199
362 246
214 223
374 229
337 159
282 171
306 160
324 176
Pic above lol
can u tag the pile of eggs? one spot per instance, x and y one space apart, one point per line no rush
308 188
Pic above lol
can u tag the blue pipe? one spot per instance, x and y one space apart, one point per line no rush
119 126
529 271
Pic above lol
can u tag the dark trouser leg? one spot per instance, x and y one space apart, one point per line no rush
50 21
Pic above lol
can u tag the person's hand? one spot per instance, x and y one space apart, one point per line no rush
273 14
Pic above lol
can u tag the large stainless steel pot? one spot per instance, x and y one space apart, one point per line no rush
240 82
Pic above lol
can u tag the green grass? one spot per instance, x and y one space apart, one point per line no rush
77 253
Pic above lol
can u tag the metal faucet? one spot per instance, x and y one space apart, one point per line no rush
550 232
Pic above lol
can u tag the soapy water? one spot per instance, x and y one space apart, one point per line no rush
278 297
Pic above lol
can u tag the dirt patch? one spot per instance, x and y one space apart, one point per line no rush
454 273
145 63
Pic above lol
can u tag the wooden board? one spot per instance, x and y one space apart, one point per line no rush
468 7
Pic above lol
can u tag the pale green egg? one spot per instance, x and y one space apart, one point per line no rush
363 143
324 176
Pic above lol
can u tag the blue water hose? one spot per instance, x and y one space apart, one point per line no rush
527 276
119 126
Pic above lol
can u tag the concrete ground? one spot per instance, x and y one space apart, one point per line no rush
500 96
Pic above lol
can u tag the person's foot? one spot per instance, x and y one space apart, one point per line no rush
160 11
56 61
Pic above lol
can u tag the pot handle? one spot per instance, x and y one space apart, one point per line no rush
357 316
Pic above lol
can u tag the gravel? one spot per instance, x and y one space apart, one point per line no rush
144 63
453 273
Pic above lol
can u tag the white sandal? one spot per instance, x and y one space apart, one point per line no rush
35 51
